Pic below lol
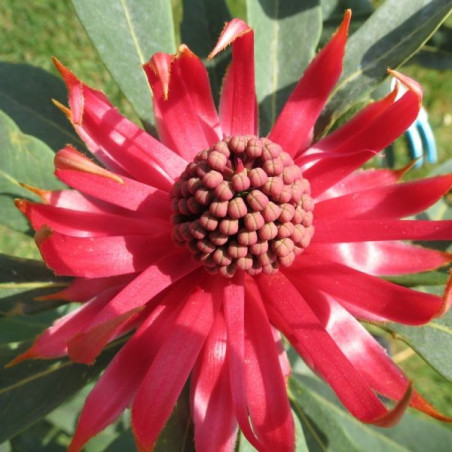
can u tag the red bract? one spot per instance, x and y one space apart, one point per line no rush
206 245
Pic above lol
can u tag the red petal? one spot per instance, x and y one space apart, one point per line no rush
336 231
76 170
238 110
389 125
116 141
362 180
382 258
211 402
185 113
100 256
234 313
163 274
333 140
117 387
364 352
87 224
52 343
332 168
268 403
170 368
391 201
293 128
290 313
380 297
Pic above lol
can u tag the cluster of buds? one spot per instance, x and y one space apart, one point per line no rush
243 204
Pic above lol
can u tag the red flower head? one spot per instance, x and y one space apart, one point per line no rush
211 243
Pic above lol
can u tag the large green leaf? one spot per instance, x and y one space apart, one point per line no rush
334 429
286 35
126 34
334 9
23 158
25 95
201 26
31 389
388 38
432 341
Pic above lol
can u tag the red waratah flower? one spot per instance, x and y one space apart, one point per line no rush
207 245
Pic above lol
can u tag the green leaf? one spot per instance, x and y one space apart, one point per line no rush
300 441
334 9
201 26
420 279
388 38
433 58
31 389
328 418
320 422
25 95
432 341
126 34
42 436
286 36
21 281
23 158
23 328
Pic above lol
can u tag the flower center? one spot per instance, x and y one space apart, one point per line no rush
243 204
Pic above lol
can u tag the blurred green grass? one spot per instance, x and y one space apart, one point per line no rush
33 31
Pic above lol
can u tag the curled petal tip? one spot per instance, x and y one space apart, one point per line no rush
21 204
393 416
231 31
71 159
43 194
67 111
160 66
408 82
28 354
68 76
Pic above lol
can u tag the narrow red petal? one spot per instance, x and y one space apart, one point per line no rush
391 201
333 140
387 126
290 313
170 368
383 298
362 180
141 291
80 173
95 257
52 343
337 231
382 258
87 224
293 128
117 387
211 401
84 347
363 351
116 141
332 168
185 113
268 403
238 110
234 313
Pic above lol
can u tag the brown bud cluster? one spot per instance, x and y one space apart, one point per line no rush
243 204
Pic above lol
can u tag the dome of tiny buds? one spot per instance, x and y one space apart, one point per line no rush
243 204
